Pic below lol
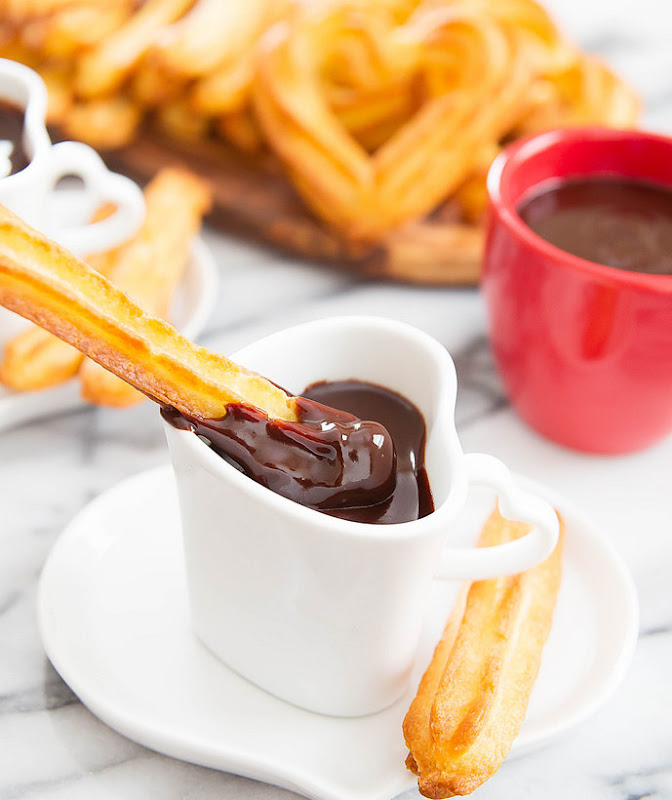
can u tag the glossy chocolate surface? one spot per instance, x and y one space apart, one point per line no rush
365 471
620 223
412 496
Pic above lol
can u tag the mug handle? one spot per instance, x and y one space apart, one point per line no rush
481 563
102 186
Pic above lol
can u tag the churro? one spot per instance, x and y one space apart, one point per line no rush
36 359
210 34
323 458
45 283
429 94
105 68
103 122
149 267
473 697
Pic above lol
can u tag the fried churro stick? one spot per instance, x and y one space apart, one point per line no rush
473 697
149 267
178 120
57 78
36 359
104 122
25 9
104 69
241 128
361 194
210 33
45 283
435 250
226 89
66 32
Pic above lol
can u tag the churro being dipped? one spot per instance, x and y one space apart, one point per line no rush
36 359
149 267
325 459
473 696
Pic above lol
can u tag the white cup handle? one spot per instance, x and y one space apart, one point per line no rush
101 186
480 563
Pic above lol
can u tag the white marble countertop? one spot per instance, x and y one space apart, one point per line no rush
52 747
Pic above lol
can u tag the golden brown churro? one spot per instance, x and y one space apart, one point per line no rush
45 283
473 697
323 458
149 267
104 69
445 83
210 34
36 359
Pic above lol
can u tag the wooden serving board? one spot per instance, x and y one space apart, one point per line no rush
254 199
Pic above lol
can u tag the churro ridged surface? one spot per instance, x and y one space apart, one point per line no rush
49 286
473 697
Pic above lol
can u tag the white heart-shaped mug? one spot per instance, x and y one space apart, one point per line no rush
323 612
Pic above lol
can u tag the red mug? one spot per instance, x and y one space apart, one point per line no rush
584 350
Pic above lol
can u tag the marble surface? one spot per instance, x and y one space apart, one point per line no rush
52 747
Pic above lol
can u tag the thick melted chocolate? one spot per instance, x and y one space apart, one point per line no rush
621 223
412 496
330 460
11 130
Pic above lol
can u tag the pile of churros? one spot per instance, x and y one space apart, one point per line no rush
383 114
148 268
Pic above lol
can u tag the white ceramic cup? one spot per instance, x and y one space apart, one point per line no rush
27 192
322 612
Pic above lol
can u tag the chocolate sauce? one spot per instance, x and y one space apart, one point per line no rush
621 223
11 130
412 496
330 460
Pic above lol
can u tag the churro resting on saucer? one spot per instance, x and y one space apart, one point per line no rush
36 359
473 697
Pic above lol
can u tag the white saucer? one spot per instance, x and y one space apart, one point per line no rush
113 617
191 309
